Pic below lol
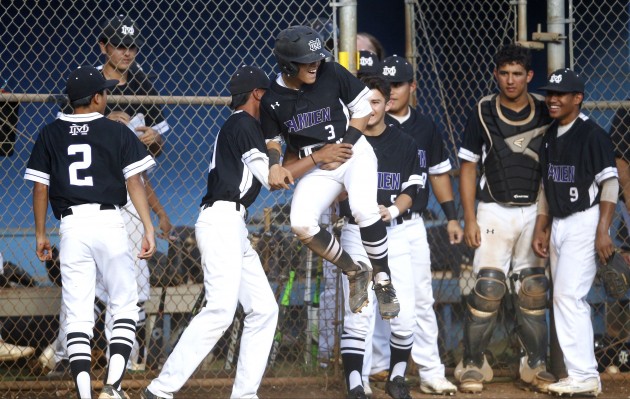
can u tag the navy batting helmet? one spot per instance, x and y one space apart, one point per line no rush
298 45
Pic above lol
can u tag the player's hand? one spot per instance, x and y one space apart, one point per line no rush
455 232
43 249
338 153
384 212
331 165
540 242
148 246
119 116
603 245
280 178
148 135
165 226
472 234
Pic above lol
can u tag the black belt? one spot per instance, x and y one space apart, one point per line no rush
405 216
239 206
306 151
104 207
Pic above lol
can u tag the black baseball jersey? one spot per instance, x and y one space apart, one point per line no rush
432 155
229 179
619 134
85 159
574 165
138 84
316 113
506 144
398 166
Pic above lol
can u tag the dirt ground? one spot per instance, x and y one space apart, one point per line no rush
619 388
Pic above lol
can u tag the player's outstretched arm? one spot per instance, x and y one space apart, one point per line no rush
137 193
40 208
467 191
279 177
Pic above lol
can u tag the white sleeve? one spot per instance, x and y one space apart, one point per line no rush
360 106
259 166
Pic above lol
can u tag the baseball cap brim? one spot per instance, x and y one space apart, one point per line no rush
557 89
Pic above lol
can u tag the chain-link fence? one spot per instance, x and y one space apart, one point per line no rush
189 51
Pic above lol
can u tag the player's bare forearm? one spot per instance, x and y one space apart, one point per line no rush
442 187
137 193
467 191
603 243
152 139
360 123
623 168
542 234
40 208
157 208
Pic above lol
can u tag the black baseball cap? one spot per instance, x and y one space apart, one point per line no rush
246 79
564 80
368 64
121 31
396 69
85 81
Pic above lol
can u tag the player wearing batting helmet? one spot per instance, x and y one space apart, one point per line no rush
503 134
81 162
575 211
310 104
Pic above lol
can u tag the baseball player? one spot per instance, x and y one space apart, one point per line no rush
80 162
312 103
620 136
434 167
503 133
232 269
575 211
398 182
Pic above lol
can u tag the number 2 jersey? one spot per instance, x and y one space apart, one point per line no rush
86 159
574 165
317 113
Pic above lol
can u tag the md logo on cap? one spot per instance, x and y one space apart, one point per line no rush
389 71
555 79
366 61
315 45
127 30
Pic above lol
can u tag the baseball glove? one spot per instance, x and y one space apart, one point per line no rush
615 275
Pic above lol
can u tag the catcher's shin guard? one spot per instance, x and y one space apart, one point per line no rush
481 314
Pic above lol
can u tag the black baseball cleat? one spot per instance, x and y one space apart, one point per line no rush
397 388
358 282
109 392
146 394
388 305
357 393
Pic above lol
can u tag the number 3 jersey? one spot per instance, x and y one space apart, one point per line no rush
574 165
86 159
317 113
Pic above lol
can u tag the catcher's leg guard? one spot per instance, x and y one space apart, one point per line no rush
481 315
532 328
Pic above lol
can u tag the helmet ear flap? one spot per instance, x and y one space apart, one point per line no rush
287 67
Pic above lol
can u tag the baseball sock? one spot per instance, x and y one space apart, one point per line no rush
352 352
374 238
123 334
80 357
400 348
326 245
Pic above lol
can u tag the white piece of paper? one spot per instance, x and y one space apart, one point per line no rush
136 121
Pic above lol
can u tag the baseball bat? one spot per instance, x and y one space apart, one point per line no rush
230 358
284 305
309 308
156 343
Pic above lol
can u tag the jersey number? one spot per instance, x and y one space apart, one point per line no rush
86 150
573 193
331 132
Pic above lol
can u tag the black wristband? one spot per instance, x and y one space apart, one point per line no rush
448 207
274 157
352 135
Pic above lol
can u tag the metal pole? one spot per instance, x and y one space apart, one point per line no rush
522 20
411 50
348 34
555 24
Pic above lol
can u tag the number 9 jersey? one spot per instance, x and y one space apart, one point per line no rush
89 149
574 165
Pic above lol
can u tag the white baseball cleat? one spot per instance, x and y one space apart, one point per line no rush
572 386
437 386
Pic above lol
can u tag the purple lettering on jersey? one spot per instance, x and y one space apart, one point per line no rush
308 119
388 181
422 155
561 173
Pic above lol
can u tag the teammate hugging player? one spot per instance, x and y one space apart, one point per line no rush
80 162
307 107
575 210
504 132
